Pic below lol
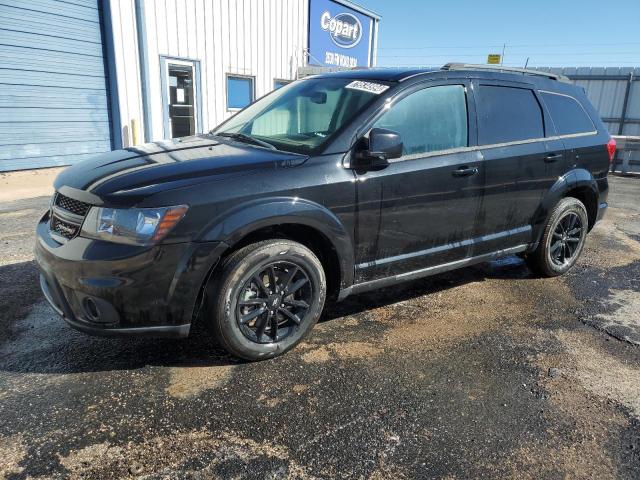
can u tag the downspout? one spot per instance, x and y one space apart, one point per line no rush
141 30
112 78
374 52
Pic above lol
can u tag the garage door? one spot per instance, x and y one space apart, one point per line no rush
53 85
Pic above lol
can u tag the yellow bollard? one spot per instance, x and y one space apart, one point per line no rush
134 131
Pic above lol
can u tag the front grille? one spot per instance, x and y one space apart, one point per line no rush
64 229
67 215
74 206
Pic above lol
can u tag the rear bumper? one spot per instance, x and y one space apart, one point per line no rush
108 289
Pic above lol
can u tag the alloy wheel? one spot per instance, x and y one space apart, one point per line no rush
274 302
566 239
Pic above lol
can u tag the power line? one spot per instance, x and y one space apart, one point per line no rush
514 46
533 64
608 54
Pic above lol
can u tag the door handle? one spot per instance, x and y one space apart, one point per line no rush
552 157
464 171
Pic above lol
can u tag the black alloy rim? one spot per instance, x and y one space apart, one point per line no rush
274 302
566 239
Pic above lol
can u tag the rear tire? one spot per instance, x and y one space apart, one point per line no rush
562 240
266 299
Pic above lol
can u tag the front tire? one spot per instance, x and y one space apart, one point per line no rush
563 239
266 299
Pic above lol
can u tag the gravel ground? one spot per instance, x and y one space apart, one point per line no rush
482 372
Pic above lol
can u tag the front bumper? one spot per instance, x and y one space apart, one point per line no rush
109 289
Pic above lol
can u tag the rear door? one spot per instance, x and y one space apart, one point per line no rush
520 162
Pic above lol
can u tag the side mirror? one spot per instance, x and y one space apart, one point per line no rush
383 146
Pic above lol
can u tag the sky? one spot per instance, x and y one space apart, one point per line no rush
570 33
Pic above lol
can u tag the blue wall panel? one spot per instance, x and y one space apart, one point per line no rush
53 85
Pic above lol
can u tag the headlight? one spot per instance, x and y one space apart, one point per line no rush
136 226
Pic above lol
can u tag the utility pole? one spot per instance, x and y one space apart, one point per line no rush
504 46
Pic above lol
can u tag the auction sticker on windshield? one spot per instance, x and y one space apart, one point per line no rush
370 87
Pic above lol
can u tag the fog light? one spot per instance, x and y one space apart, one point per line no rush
90 307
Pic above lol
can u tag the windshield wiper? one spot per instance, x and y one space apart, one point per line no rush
246 138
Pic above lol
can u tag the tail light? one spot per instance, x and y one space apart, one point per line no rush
611 149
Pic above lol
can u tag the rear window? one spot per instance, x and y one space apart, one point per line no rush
508 114
568 115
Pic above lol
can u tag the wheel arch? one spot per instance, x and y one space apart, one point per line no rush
300 220
578 183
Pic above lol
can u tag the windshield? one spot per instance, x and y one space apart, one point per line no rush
302 116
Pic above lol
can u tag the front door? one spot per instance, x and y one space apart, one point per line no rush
420 211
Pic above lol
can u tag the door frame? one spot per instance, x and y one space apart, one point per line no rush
165 60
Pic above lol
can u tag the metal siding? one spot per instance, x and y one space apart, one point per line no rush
53 92
633 107
264 39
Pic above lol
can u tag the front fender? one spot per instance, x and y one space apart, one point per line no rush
577 178
233 225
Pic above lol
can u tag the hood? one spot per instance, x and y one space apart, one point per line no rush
146 169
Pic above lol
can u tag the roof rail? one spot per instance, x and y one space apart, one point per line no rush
499 68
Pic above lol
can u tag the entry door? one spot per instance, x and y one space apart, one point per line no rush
181 98
421 210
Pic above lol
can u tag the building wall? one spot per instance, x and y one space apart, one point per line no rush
265 39
127 81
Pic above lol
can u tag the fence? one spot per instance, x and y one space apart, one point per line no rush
627 155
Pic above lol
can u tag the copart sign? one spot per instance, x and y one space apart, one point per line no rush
338 35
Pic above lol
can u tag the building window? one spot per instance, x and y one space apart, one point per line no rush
280 83
239 91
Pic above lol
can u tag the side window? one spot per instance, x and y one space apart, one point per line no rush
567 114
508 114
429 120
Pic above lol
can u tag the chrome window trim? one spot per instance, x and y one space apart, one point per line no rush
449 151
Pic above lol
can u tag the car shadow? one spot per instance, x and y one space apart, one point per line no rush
35 340
508 268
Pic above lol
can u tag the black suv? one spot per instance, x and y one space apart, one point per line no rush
329 186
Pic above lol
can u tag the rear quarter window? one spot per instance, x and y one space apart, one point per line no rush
568 114
508 114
